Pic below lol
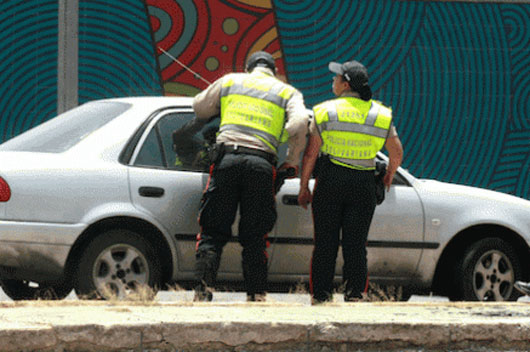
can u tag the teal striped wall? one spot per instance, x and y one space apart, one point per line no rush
116 52
116 57
28 64
456 75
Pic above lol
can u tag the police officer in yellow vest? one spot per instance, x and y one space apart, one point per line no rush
258 112
347 132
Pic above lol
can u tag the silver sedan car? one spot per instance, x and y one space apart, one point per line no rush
98 198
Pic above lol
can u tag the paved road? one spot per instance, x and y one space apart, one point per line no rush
187 296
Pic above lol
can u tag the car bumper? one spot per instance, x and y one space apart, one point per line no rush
35 251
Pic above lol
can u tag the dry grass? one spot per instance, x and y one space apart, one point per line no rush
376 293
299 288
141 294
175 288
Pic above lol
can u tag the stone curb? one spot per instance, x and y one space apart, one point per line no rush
133 326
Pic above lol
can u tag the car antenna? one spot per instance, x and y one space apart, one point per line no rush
183 65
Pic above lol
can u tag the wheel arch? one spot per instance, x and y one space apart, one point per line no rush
443 276
144 228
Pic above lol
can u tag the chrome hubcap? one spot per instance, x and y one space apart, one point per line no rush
493 277
120 269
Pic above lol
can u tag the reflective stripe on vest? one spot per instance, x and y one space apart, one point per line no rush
351 135
273 95
255 104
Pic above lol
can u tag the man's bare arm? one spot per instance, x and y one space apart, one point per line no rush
395 154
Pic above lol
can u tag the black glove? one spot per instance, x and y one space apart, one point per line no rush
177 138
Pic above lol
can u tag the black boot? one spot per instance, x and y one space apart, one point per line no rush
202 293
206 266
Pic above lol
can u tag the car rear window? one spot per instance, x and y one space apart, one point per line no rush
66 130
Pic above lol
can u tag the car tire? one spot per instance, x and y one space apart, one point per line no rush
488 271
116 264
26 290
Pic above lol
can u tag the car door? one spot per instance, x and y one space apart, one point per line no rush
167 186
166 189
396 237
395 240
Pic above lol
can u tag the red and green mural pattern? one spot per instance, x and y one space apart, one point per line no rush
211 38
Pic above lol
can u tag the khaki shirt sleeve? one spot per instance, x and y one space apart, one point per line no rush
207 103
296 125
313 130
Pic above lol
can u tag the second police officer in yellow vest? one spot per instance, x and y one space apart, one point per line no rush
347 132
258 112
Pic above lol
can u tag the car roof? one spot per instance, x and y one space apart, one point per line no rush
117 132
151 101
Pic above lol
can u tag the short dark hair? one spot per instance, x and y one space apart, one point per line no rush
261 59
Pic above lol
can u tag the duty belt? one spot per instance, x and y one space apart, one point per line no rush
236 149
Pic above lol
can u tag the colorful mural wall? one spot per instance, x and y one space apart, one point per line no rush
455 73
211 38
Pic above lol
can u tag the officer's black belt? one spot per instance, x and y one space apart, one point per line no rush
236 149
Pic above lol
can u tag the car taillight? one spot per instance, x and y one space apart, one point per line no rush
5 192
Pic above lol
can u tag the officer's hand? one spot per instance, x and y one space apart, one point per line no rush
176 137
304 197
387 180
286 166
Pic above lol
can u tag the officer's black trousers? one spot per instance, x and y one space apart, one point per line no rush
343 201
247 181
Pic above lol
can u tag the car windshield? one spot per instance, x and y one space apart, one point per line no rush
66 130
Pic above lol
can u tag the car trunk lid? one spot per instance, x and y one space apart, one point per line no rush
17 169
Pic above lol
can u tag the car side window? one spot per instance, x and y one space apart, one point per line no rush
166 125
150 154
190 154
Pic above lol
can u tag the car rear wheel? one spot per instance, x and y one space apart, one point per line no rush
27 290
116 264
488 271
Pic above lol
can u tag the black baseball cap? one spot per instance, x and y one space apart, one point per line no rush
260 58
355 74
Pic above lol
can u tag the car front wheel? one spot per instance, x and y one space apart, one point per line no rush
116 264
27 290
488 271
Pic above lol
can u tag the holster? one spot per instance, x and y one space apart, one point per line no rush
380 171
319 164
216 153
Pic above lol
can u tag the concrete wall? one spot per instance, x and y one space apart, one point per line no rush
455 72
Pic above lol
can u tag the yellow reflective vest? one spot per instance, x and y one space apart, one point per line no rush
352 130
255 104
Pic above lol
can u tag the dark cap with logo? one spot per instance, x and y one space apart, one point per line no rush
261 59
356 75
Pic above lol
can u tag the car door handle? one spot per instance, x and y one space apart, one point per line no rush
151 192
290 200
